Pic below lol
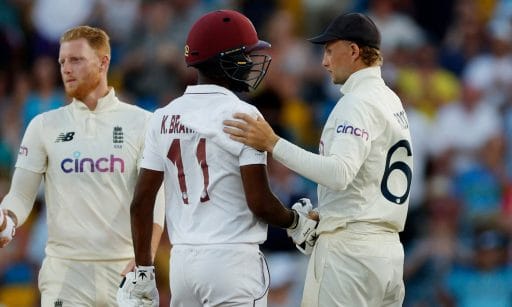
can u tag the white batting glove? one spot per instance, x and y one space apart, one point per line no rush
124 293
303 228
7 229
303 206
144 288
307 247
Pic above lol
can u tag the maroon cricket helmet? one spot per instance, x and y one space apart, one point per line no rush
221 32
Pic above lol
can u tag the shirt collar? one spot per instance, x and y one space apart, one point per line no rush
358 76
208 89
105 103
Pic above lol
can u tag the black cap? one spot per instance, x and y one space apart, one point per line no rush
355 27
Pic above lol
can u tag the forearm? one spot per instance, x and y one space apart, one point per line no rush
159 211
142 231
155 239
260 199
142 210
328 171
276 215
22 194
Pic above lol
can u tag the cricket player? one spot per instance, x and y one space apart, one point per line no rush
88 155
363 171
218 200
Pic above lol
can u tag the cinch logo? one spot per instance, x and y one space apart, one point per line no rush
348 129
101 165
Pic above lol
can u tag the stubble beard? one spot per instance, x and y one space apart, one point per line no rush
84 88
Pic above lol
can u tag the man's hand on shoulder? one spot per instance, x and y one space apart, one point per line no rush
254 132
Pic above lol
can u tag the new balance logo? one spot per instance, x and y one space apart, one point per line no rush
65 137
58 303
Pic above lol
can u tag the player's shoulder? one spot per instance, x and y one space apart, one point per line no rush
242 106
356 100
54 117
133 114
372 97
175 104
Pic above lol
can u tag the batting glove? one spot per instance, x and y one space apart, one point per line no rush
7 229
303 206
124 293
145 286
307 247
303 227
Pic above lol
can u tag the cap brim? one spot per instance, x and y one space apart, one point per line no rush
259 45
323 38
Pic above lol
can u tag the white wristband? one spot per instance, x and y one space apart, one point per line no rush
148 268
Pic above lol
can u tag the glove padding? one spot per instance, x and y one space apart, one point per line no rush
307 247
303 206
304 229
124 293
7 229
139 288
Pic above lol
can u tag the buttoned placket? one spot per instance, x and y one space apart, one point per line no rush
90 125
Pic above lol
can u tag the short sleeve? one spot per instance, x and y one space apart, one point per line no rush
32 154
250 155
151 159
208 122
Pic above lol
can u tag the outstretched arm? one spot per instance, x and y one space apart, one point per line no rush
330 171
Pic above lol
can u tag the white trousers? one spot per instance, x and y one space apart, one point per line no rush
348 269
71 283
218 275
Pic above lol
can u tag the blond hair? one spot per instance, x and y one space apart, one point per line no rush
371 56
96 37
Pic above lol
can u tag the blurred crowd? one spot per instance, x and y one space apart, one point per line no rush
450 61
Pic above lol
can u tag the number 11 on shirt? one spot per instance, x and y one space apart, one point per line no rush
174 155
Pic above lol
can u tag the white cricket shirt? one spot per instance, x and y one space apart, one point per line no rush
205 199
364 169
89 161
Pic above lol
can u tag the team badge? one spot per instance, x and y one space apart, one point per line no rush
118 137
